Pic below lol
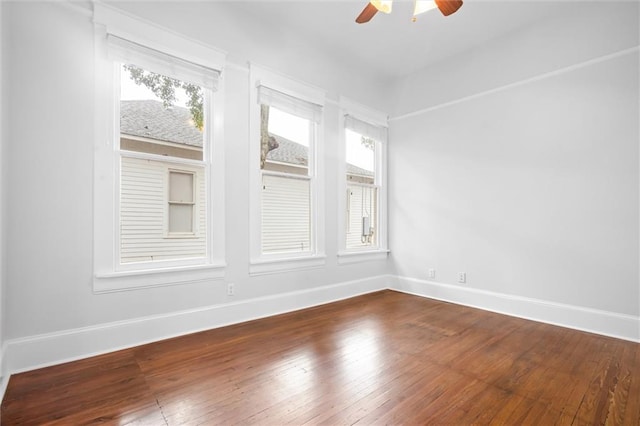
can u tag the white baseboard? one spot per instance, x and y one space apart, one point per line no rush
44 350
611 324
4 375
29 353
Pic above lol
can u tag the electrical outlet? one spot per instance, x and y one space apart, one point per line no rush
432 273
231 289
462 277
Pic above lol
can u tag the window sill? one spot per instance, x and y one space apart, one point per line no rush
133 280
272 266
181 237
346 257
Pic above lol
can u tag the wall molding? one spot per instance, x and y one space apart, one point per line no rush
508 86
48 349
4 375
29 353
620 326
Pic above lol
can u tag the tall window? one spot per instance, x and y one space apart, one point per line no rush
163 144
362 190
286 146
154 176
363 181
285 202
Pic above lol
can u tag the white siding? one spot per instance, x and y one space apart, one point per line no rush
143 213
286 220
361 202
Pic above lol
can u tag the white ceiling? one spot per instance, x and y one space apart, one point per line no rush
391 45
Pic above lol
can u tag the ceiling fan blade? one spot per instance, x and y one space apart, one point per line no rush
447 7
367 13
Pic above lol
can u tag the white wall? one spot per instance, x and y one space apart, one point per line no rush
532 190
49 264
525 153
2 194
586 31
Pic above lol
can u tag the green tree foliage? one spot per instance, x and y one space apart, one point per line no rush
368 142
165 89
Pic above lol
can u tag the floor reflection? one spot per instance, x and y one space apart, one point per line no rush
361 352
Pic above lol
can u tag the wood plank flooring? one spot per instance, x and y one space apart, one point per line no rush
382 358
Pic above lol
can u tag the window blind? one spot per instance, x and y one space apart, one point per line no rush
132 53
289 104
378 133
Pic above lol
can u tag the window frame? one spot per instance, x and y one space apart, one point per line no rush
360 112
109 273
194 203
259 262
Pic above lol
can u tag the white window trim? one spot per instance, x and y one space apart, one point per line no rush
108 275
362 254
272 263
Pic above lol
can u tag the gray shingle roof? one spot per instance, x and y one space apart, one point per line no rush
150 119
290 152
355 170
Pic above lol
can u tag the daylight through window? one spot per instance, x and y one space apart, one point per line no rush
287 154
163 194
286 184
362 191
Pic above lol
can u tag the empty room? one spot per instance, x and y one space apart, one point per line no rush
320 212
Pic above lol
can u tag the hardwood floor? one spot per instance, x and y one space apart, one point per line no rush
385 357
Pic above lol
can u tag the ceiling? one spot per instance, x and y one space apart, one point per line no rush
391 45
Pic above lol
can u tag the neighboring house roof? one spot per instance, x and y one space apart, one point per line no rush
290 152
150 119
355 170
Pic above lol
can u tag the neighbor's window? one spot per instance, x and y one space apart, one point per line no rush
181 203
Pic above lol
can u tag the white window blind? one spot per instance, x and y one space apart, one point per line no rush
132 53
289 104
378 133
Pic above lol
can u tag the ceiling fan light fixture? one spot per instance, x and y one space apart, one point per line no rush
383 6
422 6
448 7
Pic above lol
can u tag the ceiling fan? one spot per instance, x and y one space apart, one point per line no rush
447 7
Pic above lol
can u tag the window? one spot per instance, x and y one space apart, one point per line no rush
158 159
286 189
163 127
362 191
286 199
363 228
181 203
